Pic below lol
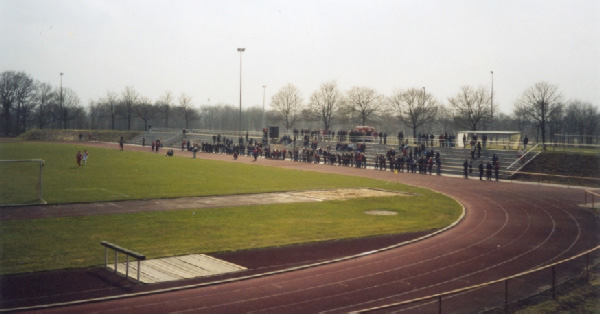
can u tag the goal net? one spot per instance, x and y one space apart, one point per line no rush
21 182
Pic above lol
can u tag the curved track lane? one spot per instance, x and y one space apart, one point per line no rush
508 228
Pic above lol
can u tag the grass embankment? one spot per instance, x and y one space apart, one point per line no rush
73 135
576 296
563 168
55 243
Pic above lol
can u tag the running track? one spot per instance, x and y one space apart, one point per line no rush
508 228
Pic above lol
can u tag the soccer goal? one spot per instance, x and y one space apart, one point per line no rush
21 182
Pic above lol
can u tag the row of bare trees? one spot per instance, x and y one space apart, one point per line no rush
27 103
541 109
114 110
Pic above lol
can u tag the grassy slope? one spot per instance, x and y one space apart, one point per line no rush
73 135
566 164
44 244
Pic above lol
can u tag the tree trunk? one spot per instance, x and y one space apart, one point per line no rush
7 119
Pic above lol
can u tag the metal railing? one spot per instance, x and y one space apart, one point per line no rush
438 298
139 257
392 140
524 159
592 196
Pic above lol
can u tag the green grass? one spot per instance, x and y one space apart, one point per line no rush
19 182
57 243
120 175
579 296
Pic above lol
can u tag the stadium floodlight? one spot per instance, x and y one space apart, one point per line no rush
21 182
240 126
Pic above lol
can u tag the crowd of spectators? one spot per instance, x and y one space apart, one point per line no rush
417 157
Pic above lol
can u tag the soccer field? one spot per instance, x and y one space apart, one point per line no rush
55 243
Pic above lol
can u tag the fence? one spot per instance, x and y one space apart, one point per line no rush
139 257
591 197
523 285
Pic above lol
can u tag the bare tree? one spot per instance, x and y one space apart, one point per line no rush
471 107
43 96
364 102
165 103
581 118
94 114
539 103
129 100
209 117
145 110
112 104
414 107
325 102
443 120
25 102
254 117
71 109
15 92
287 105
186 109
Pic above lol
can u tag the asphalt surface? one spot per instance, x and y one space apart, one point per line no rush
508 228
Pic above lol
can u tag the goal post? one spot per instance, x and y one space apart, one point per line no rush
21 182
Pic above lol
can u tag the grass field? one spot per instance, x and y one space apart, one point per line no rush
120 175
56 243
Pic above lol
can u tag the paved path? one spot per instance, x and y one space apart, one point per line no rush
508 228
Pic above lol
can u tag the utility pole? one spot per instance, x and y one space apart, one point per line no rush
492 99
240 126
263 113
62 108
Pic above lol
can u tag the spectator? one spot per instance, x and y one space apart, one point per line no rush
480 170
496 169
484 139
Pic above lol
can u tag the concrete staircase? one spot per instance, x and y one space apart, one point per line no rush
453 158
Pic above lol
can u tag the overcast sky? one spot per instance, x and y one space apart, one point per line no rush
191 46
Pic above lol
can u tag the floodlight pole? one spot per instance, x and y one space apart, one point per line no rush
240 126
62 109
263 113
492 98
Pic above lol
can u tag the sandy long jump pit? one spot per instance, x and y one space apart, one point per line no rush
344 194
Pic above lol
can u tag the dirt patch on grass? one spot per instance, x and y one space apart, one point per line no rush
380 212
344 194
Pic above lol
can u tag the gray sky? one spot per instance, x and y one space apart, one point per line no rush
191 46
